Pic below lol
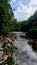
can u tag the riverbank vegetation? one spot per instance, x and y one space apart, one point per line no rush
8 23
30 26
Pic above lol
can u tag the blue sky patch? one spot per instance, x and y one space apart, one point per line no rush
23 9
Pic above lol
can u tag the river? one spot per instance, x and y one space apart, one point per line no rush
24 55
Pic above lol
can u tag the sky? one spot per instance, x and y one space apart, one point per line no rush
23 9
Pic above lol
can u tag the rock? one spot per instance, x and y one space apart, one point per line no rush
33 44
1 38
5 58
16 46
10 55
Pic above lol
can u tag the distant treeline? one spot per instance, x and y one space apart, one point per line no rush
8 22
30 26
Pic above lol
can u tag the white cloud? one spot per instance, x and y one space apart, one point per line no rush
13 1
34 2
23 12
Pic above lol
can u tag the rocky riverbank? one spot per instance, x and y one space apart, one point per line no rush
33 44
11 41
7 46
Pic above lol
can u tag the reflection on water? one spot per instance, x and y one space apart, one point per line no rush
24 55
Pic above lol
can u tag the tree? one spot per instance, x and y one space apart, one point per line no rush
14 25
32 22
6 14
23 25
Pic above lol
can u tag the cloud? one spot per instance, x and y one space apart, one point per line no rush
13 1
34 2
23 12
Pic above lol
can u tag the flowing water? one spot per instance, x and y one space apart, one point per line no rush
24 55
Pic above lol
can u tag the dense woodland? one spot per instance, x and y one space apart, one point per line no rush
30 26
8 22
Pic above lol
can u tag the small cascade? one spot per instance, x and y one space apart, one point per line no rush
25 54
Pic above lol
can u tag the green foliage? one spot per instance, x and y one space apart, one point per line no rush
23 26
14 25
6 14
9 23
33 29
30 24
32 21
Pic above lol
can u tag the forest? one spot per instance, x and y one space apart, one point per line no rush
8 22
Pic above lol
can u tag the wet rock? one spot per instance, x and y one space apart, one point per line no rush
33 43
